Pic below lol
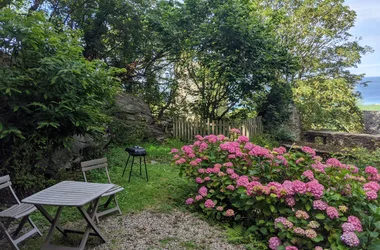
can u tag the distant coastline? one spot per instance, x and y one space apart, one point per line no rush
371 93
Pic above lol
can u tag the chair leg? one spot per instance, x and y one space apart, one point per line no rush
108 202
20 226
146 170
117 204
6 225
8 236
130 173
34 226
125 167
140 165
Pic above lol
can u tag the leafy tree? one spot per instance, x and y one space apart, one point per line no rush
317 33
228 56
49 92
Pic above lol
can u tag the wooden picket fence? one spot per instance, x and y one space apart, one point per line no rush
187 129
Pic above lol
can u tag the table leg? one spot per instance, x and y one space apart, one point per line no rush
53 226
50 219
90 224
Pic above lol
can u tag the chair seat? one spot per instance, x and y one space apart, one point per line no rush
17 211
113 190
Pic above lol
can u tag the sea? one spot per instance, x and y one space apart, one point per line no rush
370 93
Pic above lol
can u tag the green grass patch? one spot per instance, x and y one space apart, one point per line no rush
374 107
164 191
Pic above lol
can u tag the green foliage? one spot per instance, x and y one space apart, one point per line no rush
361 157
328 103
276 109
245 184
217 57
317 33
49 92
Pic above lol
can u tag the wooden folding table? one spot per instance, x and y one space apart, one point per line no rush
70 194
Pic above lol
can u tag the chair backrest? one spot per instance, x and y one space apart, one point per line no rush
95 164
5 182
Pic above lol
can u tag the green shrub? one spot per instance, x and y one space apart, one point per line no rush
48 93
283 198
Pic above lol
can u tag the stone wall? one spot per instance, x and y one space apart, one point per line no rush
371 121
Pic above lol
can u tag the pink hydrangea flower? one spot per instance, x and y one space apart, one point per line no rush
217 165
298 230
191 155
350 239
308 174
198 160
372 185
285 223
371 195
290 201
320 205
193 163
348 227
201 170
199 137
231 187
288 185
209 203
332 212
333 162
198 180
315 188
302 215
203 191
243 139
318 248
280 150
219 208
230 171
180 161
176 156
310 233
274 242
207 178
230 213
189 201
174 150
318 166
309 150
371 170
242 181
356 222
198 197
231 156
291 248
234 176
299 187
228 164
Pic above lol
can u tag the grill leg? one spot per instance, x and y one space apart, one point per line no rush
146 170
125 167
140 165
130 173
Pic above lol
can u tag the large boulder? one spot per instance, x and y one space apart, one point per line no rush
134 110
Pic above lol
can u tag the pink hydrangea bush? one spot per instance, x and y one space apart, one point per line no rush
292 199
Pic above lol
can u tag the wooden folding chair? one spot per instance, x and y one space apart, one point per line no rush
15 212
102 164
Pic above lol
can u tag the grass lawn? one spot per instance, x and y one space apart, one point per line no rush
374 107
164 191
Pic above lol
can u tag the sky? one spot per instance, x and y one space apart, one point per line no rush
367 27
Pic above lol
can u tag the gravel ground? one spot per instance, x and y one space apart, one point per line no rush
151 230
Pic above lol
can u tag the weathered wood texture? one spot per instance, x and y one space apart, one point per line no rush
186 129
